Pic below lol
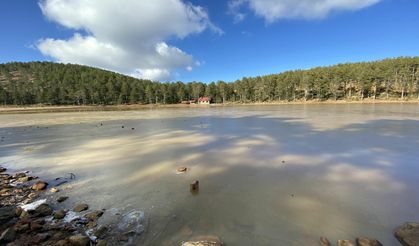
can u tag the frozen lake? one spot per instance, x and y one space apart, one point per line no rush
269 175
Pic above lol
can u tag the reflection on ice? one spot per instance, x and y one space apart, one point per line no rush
273 175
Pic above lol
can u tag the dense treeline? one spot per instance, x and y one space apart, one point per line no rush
61 84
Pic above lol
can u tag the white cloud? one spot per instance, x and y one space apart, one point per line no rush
126 36
273 10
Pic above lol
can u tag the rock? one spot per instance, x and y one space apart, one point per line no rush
7 213
40 185
94 215
80 207
101 242
100 232
79 240
204 241
324 242
24 179
182 169
2 169
39 238
62 243
54 190
43 210
59 214
345 243
21 227
62 198
408 234
91 224
18 211
364 241
194 186
37 224
8 235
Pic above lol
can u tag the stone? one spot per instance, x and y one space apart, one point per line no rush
62 243
24 179
182 169
18 211
408 234
7 213
40 185
79 240
43 210
8 235
100 232
62 198
37 224
39 238
204 241
59 214
94 215
345 243
22 227
324 242
91 224
54 190
80 207
101 242
364 241
2 169
194 186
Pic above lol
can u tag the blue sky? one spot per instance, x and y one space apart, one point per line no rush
207 40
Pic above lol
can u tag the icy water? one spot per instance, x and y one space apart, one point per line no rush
269 175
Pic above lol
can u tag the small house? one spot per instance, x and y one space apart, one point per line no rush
204 100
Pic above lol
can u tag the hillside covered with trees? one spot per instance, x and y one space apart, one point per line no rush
68 84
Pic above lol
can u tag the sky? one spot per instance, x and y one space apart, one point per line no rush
207 40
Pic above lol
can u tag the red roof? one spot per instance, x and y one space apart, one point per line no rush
204 99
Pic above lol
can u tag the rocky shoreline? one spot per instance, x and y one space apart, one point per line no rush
26 218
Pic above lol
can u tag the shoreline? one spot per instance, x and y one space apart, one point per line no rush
132 107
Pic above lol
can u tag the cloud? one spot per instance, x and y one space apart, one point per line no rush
128 37
273 10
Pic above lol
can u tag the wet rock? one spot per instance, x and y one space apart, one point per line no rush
345 243
364 241
80 207
7 213
408 234
62 242
21 226
39 238
40 185
204 241
24 179
62 198
324 242
100 232
194 186
101 243
91 224
122 238
37 224
2 169
54 190
79 240
59 214
94 215
182 169
43 210
8 235
18 211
